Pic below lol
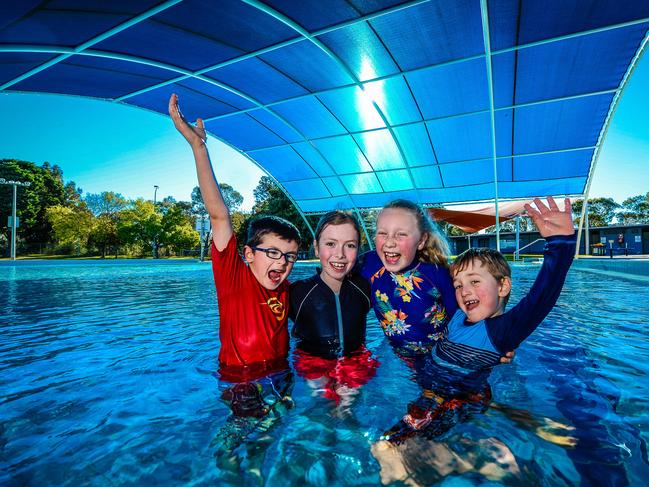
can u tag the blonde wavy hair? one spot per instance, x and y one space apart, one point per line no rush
436 250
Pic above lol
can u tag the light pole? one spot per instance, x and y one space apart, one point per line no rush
14 219
154 243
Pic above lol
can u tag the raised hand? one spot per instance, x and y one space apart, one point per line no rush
194 134
550 220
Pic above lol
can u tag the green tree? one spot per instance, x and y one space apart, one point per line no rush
138 225
106 207
73 193
451 230
71 226
239 224
104 233
199 211
198 206
601 211
185 207
635 210
264 193
176 231
46 189
105 203
508 226
232 198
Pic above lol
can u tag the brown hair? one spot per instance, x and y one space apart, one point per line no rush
337 217
436 250
263 225
490 259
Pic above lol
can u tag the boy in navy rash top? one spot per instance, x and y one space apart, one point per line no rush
455 373
478 344
481 328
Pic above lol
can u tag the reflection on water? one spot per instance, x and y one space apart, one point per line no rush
107 373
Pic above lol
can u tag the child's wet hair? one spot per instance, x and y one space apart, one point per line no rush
261 226
337 217
491 259
436 250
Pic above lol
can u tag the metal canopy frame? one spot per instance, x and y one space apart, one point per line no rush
337 182
602 136
492 114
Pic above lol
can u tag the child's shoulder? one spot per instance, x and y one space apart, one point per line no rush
368 263
359 282
370 255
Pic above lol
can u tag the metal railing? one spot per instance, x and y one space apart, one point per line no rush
518 250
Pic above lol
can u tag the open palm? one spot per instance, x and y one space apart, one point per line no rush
550 220
195 134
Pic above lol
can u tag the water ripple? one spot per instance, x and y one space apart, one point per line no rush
108 370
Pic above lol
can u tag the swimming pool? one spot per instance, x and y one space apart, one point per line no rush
107 378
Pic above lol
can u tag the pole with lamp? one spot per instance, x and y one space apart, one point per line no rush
154 244
13 221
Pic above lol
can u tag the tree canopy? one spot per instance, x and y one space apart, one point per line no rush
105 203
46 189
271 200
635 210
601 211
55 215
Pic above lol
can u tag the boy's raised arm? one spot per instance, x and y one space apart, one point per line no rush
511 328
214 204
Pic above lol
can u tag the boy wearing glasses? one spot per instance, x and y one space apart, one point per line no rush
253 298
256 382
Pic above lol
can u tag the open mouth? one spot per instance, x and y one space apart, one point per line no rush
471 304
391 257
275 277
337 266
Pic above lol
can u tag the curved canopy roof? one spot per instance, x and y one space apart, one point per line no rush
352 103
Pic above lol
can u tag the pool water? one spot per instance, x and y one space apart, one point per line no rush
107 377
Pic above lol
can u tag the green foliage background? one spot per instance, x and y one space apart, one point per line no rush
56 218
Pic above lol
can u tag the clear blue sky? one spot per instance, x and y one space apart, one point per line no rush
111 147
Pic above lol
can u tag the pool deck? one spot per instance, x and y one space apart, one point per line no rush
628 266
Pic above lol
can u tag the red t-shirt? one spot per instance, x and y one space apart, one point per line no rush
253 320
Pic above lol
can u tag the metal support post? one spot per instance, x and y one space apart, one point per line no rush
13 224
154 243
14 216
518 237
587 250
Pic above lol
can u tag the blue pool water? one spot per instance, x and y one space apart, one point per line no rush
107 377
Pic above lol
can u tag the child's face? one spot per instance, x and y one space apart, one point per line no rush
478 293
337 249
270 273
398 238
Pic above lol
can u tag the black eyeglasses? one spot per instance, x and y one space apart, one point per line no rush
278 254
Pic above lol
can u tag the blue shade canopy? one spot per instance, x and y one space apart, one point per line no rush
353 103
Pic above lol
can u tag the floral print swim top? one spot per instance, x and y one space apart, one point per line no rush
412 306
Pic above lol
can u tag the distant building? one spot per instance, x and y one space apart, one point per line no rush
633 239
